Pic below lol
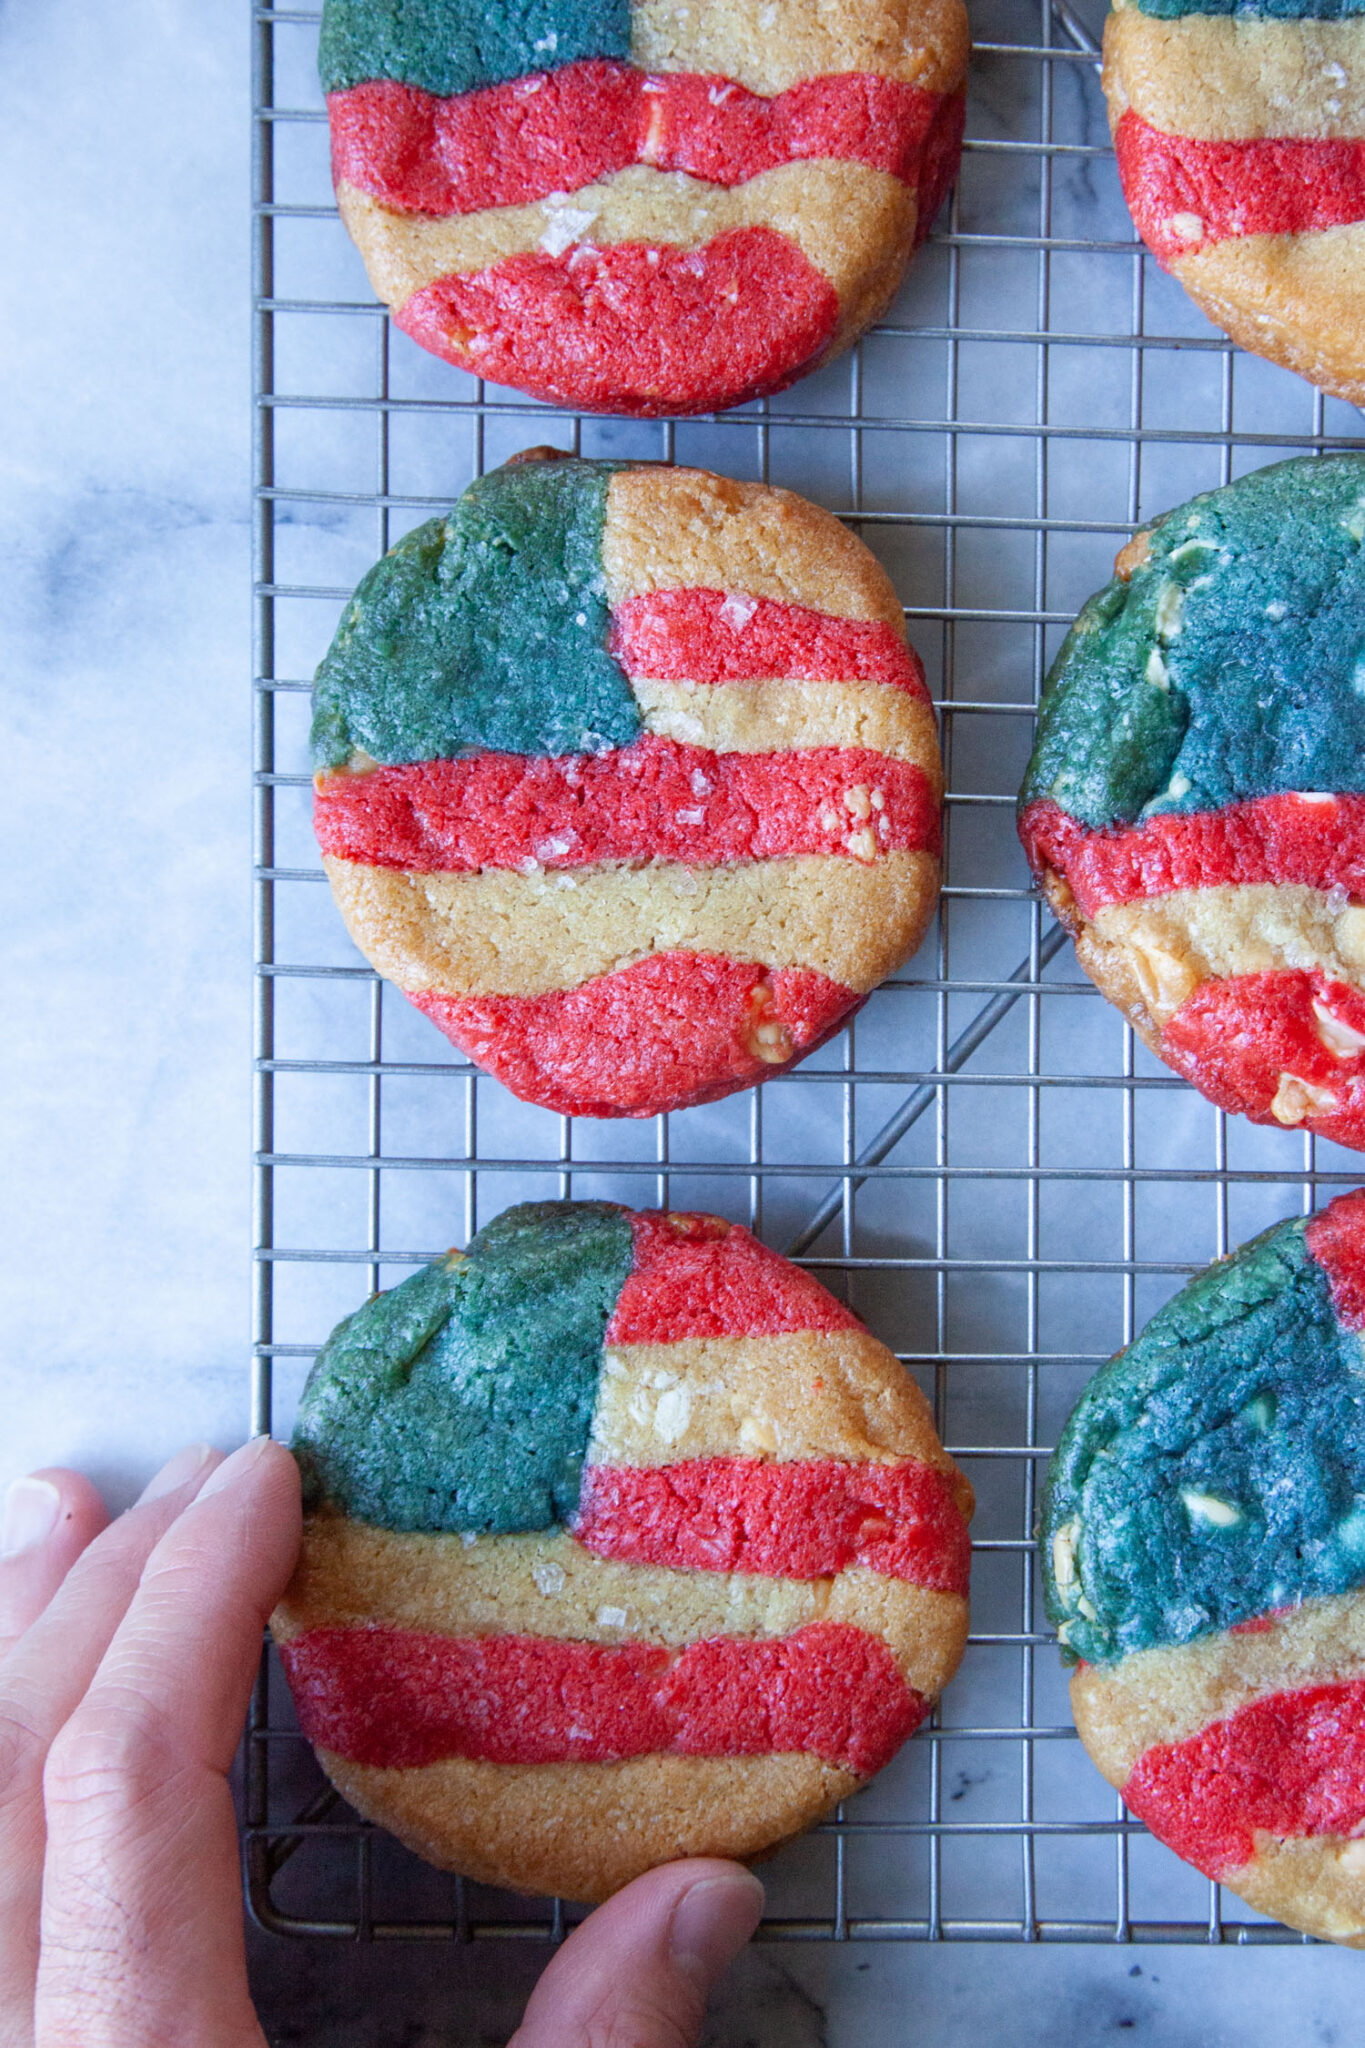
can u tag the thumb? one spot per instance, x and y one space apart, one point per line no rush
640 1969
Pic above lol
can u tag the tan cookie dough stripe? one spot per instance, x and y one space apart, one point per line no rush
772 717
547 1584
502 933
855 224
1148 957
1315 1882
1170 1694
667 529
767 49
583 1830
805 1394
1298 299
1225 79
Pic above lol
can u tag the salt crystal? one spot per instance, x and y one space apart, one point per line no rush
737 611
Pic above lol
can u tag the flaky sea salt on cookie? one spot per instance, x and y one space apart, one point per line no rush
641 208
1240 131
1203 1545
1195 805
628 779
624 1541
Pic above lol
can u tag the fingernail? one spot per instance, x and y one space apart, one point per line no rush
711 1924
31 1510
237 1466
183 1467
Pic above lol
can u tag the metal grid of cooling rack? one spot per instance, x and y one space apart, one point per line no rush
986 1164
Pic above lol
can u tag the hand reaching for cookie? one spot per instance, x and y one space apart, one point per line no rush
127 1651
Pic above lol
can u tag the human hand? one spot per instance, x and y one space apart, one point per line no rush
127 1652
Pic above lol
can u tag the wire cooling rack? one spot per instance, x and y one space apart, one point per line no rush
985 1164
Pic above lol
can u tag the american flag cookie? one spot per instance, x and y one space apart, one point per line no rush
627 777
623 1541
1195 805
1240 131
1203 1544
670 206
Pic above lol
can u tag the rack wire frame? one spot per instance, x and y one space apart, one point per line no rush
884 1106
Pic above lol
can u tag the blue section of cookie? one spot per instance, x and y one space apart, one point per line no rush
462 1399
456 46
1214 1471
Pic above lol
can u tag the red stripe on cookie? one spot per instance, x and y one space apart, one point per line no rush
696 1276
554 132
714 129
1336 1239
675 1029
635 325
1315 840
1292 1763
653 800
808 1519
1246 1041
394 1698
1184 193
709 636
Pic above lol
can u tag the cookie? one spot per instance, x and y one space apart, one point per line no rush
666 207
1195 804
1203 1544
623 1541
627 777
1240 132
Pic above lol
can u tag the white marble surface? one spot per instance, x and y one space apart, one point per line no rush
124 137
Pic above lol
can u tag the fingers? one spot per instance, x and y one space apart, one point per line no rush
42 1680
142 1923
640 1969
49 1518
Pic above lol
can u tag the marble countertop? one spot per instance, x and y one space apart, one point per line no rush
127 1020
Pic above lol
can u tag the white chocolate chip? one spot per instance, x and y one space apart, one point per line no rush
757 1435
1186 227
830 820
1087 1608
611 1617
1169 606
1064 1554
1342 1040
862 845
1349 934
1163 977
671 1414
771 1042
549 1579
1208 1508
858 801
1296 1099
